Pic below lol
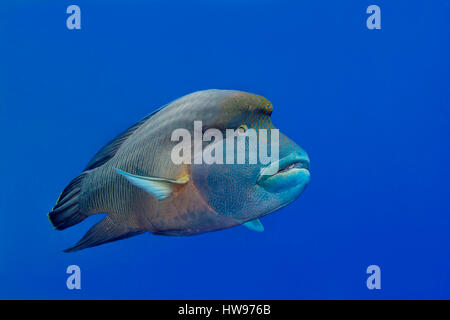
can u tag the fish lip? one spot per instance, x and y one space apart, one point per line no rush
285 164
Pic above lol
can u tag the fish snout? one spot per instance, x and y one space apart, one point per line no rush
290 172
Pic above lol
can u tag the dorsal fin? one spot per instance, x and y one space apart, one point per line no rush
108 151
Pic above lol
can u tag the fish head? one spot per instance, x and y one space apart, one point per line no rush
249 189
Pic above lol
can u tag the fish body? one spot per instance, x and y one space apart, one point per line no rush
135 181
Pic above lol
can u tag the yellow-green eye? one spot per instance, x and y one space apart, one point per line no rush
242 128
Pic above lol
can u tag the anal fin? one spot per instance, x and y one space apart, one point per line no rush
103 232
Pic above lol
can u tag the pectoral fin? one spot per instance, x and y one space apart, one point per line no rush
158 187
254 225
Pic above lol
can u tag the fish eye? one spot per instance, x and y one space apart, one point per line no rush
242 129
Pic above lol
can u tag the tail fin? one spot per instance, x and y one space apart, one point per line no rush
66 212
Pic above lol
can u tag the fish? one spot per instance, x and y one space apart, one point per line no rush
134 180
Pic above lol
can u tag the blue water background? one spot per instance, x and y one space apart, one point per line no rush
371 107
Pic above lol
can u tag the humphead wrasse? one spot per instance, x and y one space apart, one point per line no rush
135 182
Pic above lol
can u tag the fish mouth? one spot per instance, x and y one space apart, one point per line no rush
287 173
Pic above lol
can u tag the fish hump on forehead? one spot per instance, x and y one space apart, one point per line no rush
240 102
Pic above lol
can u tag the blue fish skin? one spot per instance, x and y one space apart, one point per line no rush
134 181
